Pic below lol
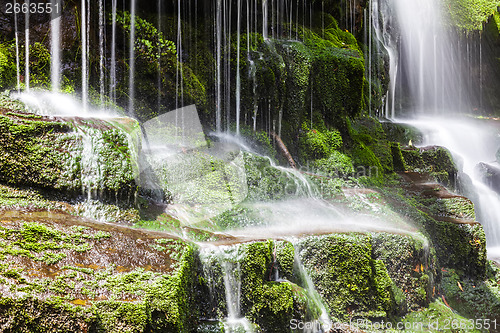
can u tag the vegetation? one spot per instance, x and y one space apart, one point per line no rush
422 257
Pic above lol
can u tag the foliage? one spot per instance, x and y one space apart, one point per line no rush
471 14
150 43
7 68
318 143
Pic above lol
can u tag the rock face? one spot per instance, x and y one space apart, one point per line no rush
65 274
490 175
70 155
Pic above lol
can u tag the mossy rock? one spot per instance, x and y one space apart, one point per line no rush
68 155
459 244
397 157
402 133
413 159
371 144
443 168
351 282
338 95
411 265
139 282
437 317
268 303
436 161
473 297
318 143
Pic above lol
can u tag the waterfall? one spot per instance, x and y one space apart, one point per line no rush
435 68
131 80
18 86
324 317
27 48
55 47
218 55
101 51
159 52
238 74
225 261
112 84
85 83
426 46
381 17
179 94
264 19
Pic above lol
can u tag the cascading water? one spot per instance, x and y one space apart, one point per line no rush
101 51
430 66
381 18
27 49
131 83
55 47
85 83
112 83
18 74
225 262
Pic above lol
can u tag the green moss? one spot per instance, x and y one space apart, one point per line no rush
39 242
370 146
470 14
458 245
345 275
107 299
269 304
473 298
441 164
411 266
7 68
402 133
285 258
437 317
336 165
318 143
413 160
266 182
50 154
397 157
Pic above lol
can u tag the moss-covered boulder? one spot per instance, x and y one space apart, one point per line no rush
351 282
434 160
447 219
412 265
70 155
402 133
64 274
473 297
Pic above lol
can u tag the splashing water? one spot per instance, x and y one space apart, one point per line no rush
471 142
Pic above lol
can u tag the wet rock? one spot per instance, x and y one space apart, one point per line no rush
435 161
344 272
447 219
402 133
69 155
75 275
490 175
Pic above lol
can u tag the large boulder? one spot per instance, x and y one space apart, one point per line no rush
88 156
59 273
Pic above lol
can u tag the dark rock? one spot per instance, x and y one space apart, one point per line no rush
490 175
